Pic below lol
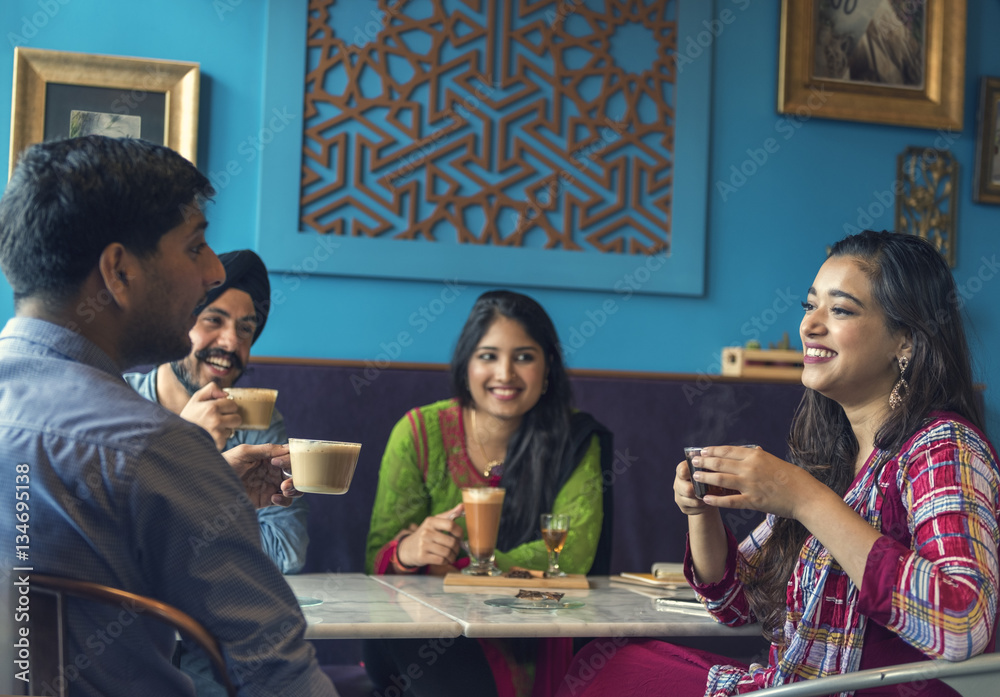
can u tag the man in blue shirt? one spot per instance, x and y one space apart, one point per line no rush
228 324
103 243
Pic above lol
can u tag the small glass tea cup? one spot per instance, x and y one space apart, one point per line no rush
701 488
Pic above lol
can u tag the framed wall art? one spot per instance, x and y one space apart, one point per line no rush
986 187
58 94
899 62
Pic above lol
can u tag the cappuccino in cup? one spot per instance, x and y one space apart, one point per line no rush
254 405
322 466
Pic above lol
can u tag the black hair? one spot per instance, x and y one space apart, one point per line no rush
67 200
531 466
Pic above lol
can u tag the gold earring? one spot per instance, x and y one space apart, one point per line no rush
902 388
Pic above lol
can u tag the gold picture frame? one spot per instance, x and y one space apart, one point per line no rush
154 99
858 74
986 187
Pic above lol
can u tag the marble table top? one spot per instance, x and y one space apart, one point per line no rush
608 609
358 606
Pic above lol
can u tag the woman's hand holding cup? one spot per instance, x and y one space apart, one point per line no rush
684 491
764 482
698 477
435 541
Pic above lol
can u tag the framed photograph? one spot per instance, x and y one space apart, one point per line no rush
58 94
899 62
986 187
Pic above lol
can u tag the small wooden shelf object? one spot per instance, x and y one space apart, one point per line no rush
762 363
567 581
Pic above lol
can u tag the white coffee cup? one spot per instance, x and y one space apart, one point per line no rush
322 466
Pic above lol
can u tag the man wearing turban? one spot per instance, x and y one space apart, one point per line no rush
227 325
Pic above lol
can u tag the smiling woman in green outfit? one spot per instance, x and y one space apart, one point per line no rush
511 424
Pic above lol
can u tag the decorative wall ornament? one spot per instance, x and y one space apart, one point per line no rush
519 124
555 169
927 197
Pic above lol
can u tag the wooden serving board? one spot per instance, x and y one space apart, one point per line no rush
570 581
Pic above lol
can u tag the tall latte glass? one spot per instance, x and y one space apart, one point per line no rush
482 520
322 466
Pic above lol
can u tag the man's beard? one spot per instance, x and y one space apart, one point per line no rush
151 345
188 381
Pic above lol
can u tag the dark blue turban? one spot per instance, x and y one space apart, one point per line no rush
245 271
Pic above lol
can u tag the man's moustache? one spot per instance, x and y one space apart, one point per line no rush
233 359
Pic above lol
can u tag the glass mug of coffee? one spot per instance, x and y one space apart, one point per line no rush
254 404
322 466
482 521
701 488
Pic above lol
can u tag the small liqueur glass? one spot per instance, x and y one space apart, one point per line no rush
555 528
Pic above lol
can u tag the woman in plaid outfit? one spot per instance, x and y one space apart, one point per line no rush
881 541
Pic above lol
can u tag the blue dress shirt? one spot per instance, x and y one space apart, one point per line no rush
127 494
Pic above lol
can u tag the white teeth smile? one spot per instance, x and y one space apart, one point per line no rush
504 392
820 353
218 363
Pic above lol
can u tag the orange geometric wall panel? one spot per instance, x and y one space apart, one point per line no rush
520 124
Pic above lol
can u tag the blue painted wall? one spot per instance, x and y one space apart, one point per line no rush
765 241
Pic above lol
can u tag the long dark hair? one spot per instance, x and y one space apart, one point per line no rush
913 285
531 466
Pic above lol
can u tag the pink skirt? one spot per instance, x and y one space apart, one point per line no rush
640 668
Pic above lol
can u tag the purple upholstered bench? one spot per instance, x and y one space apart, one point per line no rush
653 416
